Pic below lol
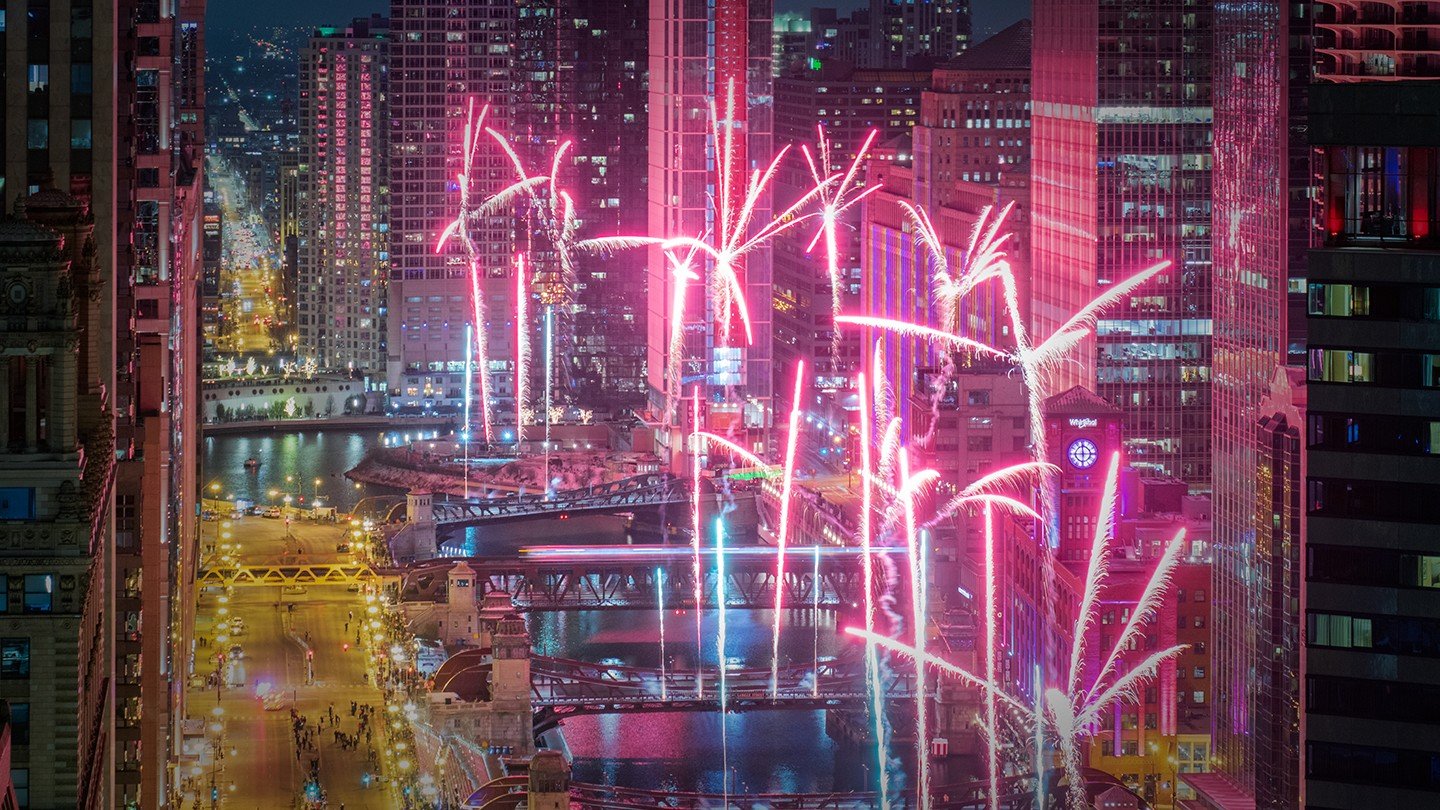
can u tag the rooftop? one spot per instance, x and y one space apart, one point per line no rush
1007 50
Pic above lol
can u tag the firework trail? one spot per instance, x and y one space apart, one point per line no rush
1073 712
787 483
522 349
911 487
460 227
697 449
835 200
872 665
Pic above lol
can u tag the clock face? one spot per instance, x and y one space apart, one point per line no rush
17 292
1083 454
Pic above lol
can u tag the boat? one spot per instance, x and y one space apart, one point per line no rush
252 463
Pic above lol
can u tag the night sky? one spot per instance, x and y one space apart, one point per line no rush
990 15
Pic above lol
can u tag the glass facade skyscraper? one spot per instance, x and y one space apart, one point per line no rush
1121 180
1265 218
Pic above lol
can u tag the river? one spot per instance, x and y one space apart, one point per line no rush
769 751
290 464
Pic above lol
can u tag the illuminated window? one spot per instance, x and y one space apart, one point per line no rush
1341 365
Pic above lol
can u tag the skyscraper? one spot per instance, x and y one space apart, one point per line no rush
1121 166
688 68
444 56
1264 215
909 34
1371 604
157 366
343 260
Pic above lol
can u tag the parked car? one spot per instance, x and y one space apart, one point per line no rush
273 513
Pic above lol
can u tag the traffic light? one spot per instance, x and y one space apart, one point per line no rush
309 655
214 794
345 646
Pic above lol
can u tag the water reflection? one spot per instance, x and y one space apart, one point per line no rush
303 457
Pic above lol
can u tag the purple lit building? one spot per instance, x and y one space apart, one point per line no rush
1121 168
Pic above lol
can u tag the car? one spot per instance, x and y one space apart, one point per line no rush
236 653
209 515
272 513
257 510
236 514
342 547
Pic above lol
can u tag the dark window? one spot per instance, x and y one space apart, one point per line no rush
1374 699
1367 765
20 723
1378 567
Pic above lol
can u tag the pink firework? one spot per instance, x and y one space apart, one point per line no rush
461 227
835 200
787 482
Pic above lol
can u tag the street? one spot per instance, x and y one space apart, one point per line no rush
250 284
262 766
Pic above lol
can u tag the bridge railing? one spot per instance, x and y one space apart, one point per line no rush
645 490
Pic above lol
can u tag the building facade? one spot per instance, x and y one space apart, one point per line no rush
850 104
1371 603
1265 218
688 68
1121 151
445 55
581 76
343 256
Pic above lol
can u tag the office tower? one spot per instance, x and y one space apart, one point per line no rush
290 201
343 258
849 104
444 55
1371 731
687 71
580 76
905 33
1265 219
115 113
892 34
50 625
1121 153
791 42
211 250
160 206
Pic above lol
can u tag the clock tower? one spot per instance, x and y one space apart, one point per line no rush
1083 431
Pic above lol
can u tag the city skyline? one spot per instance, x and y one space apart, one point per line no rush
553 404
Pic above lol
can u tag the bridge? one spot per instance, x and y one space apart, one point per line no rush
288 574
601 577
638 492
563 687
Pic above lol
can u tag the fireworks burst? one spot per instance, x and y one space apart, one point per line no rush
835 199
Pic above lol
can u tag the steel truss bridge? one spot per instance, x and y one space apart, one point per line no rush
289 574
617 496
560 578
565 688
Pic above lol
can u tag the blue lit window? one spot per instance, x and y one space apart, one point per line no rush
39 593
81 135
14 658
